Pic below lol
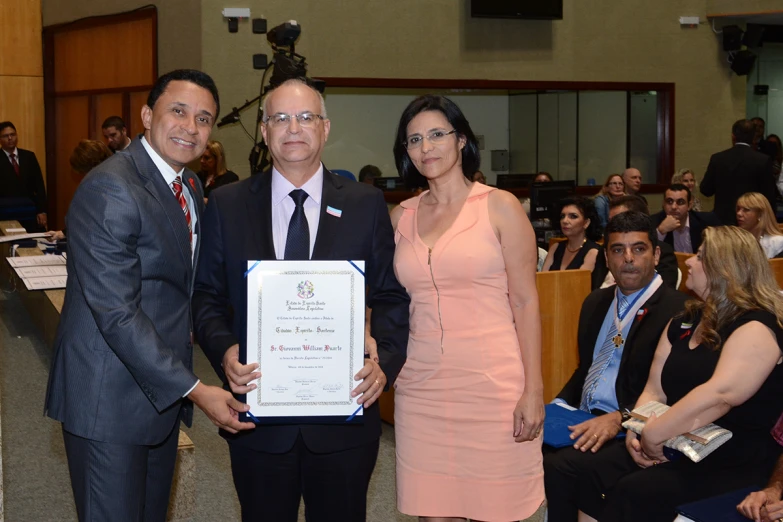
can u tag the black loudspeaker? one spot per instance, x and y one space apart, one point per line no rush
743 62
754 35
732 38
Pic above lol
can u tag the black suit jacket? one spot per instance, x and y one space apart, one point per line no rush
225 179
733 172
698 221
238 227
29 183
639 348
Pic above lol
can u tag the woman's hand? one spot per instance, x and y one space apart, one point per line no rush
634 448
651 445
529 416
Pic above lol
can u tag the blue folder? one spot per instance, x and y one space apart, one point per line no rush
722 508
557 421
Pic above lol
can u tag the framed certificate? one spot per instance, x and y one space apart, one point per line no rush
305 329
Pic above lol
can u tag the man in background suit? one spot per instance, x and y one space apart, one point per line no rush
20 176
735 171
115 133
678 225
613 362
123 361
282 214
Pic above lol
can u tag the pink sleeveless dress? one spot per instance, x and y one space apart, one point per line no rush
455 396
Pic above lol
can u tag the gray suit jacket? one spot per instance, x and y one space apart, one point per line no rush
123 352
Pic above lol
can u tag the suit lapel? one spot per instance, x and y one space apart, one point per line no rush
328 224
638 320
695 229
259 209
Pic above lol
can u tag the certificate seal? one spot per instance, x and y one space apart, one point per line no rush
305 290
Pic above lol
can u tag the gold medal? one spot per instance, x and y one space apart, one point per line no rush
618 340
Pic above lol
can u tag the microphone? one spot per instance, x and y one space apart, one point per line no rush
231 117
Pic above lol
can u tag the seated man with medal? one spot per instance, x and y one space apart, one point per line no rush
619 328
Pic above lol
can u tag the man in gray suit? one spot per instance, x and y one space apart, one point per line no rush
122 374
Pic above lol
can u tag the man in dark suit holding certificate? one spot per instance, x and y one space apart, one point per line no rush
298 210
122 373
619 328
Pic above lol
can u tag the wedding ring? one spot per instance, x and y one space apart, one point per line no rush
595 435
377 382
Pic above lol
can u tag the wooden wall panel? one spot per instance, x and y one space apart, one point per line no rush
20 38
105 105
72 115
21 101
137 101
88 59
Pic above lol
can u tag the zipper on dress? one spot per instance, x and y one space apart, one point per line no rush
437 292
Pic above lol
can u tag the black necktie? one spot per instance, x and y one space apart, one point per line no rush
297 244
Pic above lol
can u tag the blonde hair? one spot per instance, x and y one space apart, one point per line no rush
768 225
216 149
677 176
605 189
739 280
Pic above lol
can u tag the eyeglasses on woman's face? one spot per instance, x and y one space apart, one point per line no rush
435 137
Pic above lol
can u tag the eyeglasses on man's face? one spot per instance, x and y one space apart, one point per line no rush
414 141
281 119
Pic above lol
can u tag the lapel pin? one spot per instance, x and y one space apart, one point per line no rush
336 212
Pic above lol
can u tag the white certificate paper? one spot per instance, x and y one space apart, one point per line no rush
305 328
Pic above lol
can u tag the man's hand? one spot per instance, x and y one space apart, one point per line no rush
668 224
594 433
373 381
55 235
763 505
221 407
528 416
635 450
41 218
239 375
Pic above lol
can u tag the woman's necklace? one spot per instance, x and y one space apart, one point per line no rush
577 248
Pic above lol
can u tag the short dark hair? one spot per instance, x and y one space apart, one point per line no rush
587 208
677 187
199 78
744 131
632 203
113 121
471 158
371 171
545 174
632 221
5 124
758 118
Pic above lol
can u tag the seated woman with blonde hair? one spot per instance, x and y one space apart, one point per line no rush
717 362
754 214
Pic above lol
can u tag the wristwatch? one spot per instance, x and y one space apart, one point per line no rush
625 415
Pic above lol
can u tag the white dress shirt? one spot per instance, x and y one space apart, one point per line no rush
283 207
169 175
681 236
16 151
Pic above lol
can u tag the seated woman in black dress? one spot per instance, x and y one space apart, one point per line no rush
214 173
580 225
719 362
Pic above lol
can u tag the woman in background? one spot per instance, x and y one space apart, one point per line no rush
469 400
755 215
613 188
579 224
214 173
687 178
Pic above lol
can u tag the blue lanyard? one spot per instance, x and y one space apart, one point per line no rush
630 306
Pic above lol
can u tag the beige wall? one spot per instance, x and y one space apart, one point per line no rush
179 24
599 40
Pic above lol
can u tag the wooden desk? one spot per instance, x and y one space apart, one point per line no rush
681 259
44 308
777 270
560 297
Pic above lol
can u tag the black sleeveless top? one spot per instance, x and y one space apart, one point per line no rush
579 258
750 422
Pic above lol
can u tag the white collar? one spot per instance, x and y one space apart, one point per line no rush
281 187
169 174
16 152
742 143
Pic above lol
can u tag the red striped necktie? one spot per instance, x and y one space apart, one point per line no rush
176 185
15 164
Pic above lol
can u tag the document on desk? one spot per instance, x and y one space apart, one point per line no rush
26 272
17 237
305 328
45 283
50 260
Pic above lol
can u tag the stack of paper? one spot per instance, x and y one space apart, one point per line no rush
40 272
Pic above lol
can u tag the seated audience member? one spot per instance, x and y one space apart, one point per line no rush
579 224
479 177
87 155
718 362
633 182
667 263
755 215
612 370
766 505
214 173
543 177
677 224
116 133
613 188
688 178
368 173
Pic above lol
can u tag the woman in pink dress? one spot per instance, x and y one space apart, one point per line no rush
469 400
